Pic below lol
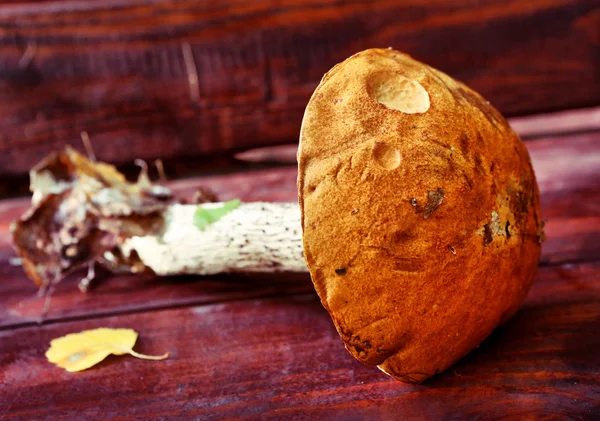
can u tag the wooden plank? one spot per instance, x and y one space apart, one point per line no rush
282 359
561 122
567 169
569 175
120 69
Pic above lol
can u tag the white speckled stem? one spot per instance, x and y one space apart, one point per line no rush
256 237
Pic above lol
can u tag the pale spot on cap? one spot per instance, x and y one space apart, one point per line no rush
397 92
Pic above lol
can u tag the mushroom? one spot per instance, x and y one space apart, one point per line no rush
419 217
445 244
85 212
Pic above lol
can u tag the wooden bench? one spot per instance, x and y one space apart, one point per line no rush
200 85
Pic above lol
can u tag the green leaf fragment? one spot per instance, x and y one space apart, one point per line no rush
203 217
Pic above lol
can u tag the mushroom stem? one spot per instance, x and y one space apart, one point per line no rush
255 237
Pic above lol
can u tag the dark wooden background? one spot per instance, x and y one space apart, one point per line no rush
120 68
258 347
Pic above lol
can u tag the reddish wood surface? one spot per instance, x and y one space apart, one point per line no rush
264 348
281 358
561 122
117 68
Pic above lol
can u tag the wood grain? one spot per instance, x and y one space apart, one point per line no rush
567 168
281 358
118 69
557 123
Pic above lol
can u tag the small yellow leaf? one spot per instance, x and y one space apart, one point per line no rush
78 351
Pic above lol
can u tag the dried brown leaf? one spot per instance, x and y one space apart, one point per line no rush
81 211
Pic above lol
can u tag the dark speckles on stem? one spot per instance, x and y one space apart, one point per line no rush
487 235
341 271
